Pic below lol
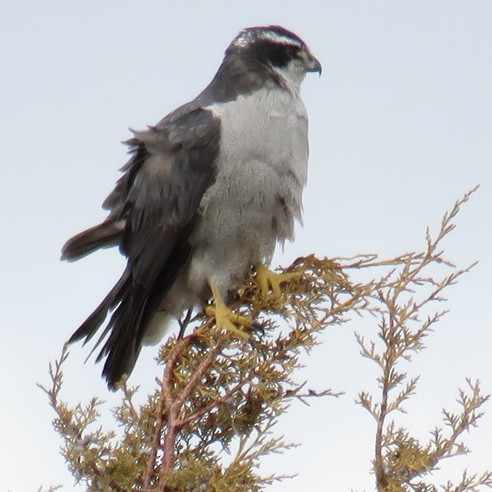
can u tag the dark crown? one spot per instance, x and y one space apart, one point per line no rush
270 44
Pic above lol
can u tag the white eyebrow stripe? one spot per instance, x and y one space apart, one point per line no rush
245 38
279 38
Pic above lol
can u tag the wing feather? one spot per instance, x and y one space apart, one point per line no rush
157 199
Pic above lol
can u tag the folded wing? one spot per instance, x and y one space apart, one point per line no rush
152 213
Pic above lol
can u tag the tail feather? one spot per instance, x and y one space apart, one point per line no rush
125 340
132 317
127 301
105 235
90 326
122 346
133 305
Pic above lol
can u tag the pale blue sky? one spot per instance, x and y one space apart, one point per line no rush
400 125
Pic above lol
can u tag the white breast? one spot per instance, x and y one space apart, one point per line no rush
270 124
261 171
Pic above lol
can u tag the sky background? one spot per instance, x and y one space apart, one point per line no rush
400 127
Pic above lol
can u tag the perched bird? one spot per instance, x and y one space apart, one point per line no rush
205 196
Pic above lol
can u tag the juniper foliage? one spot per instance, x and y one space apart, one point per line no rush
211 418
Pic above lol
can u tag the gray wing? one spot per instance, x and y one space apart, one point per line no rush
153 206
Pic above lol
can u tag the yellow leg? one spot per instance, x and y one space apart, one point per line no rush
225 318
267 279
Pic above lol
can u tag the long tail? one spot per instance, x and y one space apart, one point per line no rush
125 329
105 235
89 327
123 343
133 305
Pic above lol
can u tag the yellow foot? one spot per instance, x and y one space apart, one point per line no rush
225 318
269 280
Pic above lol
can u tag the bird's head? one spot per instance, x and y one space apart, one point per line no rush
258 56
276 48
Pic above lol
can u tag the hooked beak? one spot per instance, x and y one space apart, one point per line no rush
313 65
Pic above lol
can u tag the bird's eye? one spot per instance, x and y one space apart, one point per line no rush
292 52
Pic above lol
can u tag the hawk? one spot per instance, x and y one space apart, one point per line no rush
206 195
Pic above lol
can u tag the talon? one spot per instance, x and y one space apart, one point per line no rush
225 318
269 280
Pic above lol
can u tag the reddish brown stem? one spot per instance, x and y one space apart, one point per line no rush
203 411
381 480
163 411
173 409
